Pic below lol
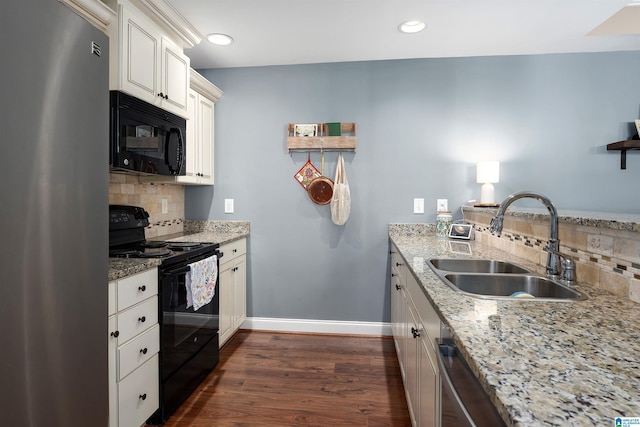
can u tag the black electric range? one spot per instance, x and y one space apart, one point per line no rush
188 337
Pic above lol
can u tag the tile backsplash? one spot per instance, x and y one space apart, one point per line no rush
125 189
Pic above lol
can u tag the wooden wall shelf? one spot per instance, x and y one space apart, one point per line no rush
346 141
623 146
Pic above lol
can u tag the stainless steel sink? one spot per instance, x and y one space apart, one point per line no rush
477 266
503 285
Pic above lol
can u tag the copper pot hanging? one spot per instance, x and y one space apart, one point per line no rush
320 190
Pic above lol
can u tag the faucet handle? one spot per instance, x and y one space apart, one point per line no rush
568 270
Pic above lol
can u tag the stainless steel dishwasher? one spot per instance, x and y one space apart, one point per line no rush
463 401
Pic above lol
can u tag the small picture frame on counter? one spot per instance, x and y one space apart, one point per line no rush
461 231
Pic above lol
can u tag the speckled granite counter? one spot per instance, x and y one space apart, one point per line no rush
195 231
542 363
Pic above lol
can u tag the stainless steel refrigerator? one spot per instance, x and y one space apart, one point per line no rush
53 210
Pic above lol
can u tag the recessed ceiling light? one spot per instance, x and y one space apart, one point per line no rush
220 39
412 26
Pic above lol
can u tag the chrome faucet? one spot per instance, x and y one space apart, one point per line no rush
554 268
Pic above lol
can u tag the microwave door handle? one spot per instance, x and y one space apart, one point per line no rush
180 150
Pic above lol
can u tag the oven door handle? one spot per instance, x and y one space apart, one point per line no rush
179 270
186 268
447 385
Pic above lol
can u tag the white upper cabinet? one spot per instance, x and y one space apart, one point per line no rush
145 63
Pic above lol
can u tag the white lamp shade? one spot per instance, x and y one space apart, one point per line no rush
488 172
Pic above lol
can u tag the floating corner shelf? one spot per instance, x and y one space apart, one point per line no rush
327 137
623 146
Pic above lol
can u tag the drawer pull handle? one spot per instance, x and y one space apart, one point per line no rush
143 351
415 332
142 319
115 334
398 287
143 396
142 288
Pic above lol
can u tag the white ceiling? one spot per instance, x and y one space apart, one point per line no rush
277 32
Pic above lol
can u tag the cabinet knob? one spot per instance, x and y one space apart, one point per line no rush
393 275
115 334
161 95
142 288
398 287
143 396
142 319
235 250
166 96
415 332
398 264
143 351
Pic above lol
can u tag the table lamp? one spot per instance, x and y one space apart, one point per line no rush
487 173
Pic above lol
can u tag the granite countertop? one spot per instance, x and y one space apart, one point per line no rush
541 362
123 267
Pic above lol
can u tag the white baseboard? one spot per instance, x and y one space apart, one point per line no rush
317 326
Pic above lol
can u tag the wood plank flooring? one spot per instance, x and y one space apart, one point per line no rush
273 379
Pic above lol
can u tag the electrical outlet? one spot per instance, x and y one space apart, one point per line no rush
165 206
228 205
418 206
442 205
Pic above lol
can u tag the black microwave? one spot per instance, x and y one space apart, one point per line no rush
145 139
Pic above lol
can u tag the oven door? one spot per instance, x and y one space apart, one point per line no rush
184 331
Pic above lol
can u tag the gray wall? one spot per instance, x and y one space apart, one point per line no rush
422 125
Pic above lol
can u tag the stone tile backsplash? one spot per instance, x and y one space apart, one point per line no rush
607 255
125 189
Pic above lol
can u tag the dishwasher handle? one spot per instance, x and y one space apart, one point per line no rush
449 388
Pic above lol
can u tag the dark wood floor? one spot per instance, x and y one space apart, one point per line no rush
273 379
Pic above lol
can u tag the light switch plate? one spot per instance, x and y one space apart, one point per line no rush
165 206
418 206
228 205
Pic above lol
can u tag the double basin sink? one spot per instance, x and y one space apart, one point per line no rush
499 279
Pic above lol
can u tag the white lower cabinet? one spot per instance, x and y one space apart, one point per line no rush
233 288
134 343
415 326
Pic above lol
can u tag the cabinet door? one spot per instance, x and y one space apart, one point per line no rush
139 56
428 386
239 275
397 314
192 145
226 302
175 78
206 115
112 369
411 364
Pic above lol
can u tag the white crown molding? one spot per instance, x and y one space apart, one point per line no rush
94 11
167 15
317 326
204 86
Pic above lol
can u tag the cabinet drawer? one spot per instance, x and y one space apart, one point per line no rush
136 288
112 298
137 351
137 319
138 394
233 249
